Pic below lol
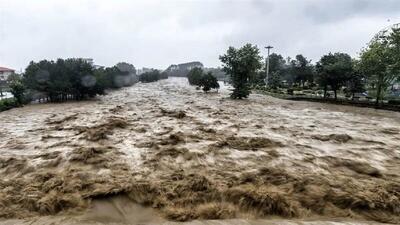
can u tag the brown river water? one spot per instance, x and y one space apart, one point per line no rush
164 153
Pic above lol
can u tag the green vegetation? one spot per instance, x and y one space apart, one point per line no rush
274 80
356 82
194 76
63 79
75 79
17 90
334 70
152 76
207 81
302 70
242 65
8 103
380 61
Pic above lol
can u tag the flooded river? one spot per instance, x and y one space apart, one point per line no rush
164 152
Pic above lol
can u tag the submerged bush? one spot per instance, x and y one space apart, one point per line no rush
152 76
208 82
194 76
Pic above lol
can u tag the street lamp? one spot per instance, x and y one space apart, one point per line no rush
268 48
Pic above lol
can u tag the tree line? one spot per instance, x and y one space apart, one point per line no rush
377 68
69 79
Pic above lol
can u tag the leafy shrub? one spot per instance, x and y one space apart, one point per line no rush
194 76
151 76
8 103
208 82
18 89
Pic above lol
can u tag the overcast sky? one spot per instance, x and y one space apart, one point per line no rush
157 33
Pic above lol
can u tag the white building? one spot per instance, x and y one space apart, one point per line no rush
5 73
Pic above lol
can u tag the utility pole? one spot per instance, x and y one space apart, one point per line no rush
268 48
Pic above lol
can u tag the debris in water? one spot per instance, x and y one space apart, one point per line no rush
249 159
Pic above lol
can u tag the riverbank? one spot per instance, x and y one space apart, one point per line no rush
339 101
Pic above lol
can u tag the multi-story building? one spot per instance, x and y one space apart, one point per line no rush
5 73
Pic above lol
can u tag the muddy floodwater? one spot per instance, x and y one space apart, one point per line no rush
164 152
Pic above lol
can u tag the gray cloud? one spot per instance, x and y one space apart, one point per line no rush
333 11
157 33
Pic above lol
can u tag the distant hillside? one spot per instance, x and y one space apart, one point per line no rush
181 70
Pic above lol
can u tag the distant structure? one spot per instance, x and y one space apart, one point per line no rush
185 66
143 70
5 73
181 70
91 62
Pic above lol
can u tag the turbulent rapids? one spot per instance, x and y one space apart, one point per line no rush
162 151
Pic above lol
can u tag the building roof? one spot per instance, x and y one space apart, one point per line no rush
4 69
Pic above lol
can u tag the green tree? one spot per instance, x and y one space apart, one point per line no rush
276 63
194 76
37 76
81 81
13 77
380 61
241 64
208 82
17 90
62 80
333 70
275 80
277 70
356 80
302 70
111 77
